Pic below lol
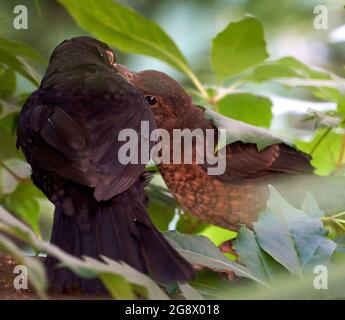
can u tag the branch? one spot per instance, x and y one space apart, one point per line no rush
341 154
320 140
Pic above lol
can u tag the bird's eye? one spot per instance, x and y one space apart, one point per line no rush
151 100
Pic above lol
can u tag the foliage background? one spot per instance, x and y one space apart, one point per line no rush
279 105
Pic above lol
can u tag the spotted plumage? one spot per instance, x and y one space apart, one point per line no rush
238 195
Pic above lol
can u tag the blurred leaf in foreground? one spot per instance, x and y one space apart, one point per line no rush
286 287
190 293
36 271
109 271
12 54
255 259
7 82
7 136
22 50
199 250
23 203
290 236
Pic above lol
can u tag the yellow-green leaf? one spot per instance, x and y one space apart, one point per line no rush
239 46
125 29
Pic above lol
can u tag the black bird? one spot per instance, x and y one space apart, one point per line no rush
68 131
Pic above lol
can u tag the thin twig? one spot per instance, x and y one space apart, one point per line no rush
320 140
225 92
334 219
339 214
341 154
195 80
341 226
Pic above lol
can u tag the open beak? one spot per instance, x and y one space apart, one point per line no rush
125 72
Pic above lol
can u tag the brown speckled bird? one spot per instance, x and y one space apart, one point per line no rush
239 194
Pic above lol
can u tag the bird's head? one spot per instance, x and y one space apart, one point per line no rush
79 54
167 98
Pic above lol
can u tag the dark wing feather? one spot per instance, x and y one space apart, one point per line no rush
243 160
74 135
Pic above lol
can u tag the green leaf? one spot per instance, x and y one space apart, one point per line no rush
20 66
10 105
12 53
286 287
188 223
8 137
189 292
291 72
316 86
325 155
254 258
125 29
117 286
340 241
23 202
136 278
247 107
38 6
240 131
285 238
163 209
291 237
217 234
7 83
311 208
19 49
199 250
239 46
323 119
340 100
328 94
287 67
273 236
161 215
161 205
213 285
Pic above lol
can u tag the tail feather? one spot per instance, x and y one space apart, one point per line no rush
153 244
119 229
292 161
67 235
116 237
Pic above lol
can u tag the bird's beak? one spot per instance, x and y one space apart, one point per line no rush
125 72
111 56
